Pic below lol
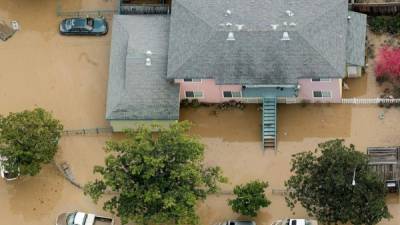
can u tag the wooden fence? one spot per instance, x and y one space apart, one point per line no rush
370 101
90 131
377 9
144 9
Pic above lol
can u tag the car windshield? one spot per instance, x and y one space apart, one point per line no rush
71 218
69 24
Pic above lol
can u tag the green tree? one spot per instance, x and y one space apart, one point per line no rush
28 139
323 184
250 198
158 178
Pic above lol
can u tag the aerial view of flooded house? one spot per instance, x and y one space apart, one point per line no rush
215 51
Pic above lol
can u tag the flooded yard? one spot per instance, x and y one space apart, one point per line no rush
233 141
68 76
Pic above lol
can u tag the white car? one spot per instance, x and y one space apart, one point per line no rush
4 173
295 222
82 218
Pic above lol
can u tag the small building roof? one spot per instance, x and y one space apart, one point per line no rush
256 54
137 91
356 35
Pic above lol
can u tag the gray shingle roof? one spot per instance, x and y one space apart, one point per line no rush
137 91
198 47
356 33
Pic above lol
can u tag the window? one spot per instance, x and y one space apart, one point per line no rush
192 80
321 80
194 94
322 94
232 94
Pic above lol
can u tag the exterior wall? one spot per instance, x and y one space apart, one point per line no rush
307 86
212 93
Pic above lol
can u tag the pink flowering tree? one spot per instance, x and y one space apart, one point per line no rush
388 64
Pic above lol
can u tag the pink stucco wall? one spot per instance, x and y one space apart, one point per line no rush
307 86
212 93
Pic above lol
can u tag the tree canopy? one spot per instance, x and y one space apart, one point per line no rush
28 139
250 198
323 184
158 177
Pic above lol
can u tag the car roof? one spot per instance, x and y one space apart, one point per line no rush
242 222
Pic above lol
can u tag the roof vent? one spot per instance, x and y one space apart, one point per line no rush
285 36
149 53
289 13
285 23
228 24
231 37
292 24
228 12
274 26
148 62
349 18
239 26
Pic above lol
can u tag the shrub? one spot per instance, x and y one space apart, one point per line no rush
250 198
381 24
377 24
388 63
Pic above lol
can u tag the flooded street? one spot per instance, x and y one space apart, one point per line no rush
68 76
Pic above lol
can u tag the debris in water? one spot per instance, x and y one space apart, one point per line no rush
382 115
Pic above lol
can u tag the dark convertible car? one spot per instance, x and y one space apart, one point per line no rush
84 26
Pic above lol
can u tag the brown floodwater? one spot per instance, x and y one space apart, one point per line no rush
68 76
87 5
233 142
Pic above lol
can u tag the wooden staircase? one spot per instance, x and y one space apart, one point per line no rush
269 122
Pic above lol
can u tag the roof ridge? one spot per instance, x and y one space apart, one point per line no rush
312 46
191 12
201 50
198 47
323 13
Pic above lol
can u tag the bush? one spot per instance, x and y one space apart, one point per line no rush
388 63
377 24
381 24
250 198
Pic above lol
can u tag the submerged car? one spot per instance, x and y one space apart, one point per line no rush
238 222
295 222
6 175
82 218
84 26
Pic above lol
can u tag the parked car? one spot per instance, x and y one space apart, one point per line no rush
4 173
295 222
81 218
84 26
238 222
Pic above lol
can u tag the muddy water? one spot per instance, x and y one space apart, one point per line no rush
68 76
87 5
233 141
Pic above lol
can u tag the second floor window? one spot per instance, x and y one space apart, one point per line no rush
192 80
322 94
232 94
321 80
193 94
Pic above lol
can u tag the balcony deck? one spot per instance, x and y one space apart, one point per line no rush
269 92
